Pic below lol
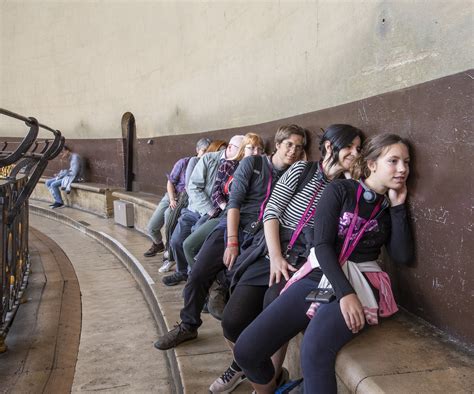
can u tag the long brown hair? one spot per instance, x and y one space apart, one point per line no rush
216 145
373 148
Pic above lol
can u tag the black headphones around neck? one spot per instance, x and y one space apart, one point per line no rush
370 196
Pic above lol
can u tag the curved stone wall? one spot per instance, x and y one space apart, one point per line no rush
183 68
186 67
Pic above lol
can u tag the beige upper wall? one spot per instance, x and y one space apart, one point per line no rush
183 67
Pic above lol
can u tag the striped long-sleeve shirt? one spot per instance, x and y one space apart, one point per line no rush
287 205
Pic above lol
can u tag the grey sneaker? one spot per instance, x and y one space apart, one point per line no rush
228 381
167 265
174 279
177 335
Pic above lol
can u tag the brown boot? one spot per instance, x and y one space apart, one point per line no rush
154 249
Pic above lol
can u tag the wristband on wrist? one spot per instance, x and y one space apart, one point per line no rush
232 244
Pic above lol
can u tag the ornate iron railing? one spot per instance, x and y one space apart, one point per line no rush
21 166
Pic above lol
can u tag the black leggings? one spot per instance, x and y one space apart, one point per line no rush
325 335
245 304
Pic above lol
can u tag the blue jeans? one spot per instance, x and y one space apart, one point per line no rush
158 219
326 333
182 231
53 185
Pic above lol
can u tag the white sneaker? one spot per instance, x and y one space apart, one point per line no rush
167 265
228 381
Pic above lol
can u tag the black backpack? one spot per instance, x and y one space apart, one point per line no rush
309 170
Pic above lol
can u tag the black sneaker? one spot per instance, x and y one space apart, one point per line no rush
174 279
57 205
154 249
177 335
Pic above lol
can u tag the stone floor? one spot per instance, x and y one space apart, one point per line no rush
115 353
114 321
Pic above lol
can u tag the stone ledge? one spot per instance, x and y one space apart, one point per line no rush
147 200
93 187
401 354
91 197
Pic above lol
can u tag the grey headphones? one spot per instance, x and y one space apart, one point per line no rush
370 196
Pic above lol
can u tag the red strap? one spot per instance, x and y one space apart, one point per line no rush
227 185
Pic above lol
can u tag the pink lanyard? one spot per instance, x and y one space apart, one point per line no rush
269 189
304 219
348 247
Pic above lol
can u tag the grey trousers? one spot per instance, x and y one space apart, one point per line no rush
192 244
158 219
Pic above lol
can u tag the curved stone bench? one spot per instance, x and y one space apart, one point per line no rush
403 354
91 197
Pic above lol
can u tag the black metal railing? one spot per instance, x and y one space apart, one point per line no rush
21 165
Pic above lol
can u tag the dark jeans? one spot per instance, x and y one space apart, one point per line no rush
185 223
209 262
325 335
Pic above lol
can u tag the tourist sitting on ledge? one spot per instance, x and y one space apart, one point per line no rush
65 178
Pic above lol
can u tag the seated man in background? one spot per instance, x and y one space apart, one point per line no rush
175 185
65 177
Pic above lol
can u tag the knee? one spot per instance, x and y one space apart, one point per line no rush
271 294
198 276
243 355
315 352
187 245
175 240
231 326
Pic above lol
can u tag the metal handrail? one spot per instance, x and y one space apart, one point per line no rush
27 142
25 165
27 120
